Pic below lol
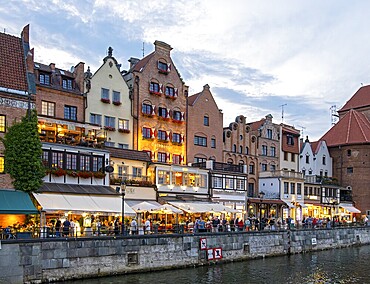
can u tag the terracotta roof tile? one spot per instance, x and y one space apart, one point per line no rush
257 124
353 128
12 64
315 146
193 98
359 99
141 64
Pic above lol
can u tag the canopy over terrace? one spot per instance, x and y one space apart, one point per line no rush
56 202
16 202
349 207
201 207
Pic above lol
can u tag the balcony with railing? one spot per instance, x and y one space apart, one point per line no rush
282 174
315 179
217 166
116 179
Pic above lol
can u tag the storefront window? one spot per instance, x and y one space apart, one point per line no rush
163 177
201 180
177 178
240 184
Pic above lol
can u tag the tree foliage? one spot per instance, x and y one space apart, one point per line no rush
22 154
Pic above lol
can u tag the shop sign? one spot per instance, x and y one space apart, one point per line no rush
313 241
217 253
210 254
203 243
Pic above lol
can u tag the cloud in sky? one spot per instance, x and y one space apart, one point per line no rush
255 55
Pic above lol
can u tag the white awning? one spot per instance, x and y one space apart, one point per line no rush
200 207
349 208
53 202
290 204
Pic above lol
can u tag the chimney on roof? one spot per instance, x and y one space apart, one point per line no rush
25 35
269 117
79 72
133 61
162 47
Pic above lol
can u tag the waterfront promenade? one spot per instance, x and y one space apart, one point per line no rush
56 259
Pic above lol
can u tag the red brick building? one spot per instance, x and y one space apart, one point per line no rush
159 98
60 103
349 145
205 128
16 86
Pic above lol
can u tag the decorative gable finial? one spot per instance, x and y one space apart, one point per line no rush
110 51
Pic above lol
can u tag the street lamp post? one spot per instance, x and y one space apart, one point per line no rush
261 195
123 192
335 202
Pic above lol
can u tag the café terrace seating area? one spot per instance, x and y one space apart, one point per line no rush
71 134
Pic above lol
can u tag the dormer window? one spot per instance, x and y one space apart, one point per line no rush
44 79
67 84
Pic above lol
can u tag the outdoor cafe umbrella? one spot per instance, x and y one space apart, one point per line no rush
144 207
167 209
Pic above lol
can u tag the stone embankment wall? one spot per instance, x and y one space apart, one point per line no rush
48 260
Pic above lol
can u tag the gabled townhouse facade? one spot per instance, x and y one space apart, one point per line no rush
204 128
158 106
321 190
286 183
240 148
108 105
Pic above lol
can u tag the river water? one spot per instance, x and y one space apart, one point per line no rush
347 265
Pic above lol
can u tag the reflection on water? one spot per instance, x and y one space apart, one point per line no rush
348 265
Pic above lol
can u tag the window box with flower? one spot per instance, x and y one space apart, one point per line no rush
100 175
177 121
163 118
58 172
155 93
124 130
109 128
147 114
72 173
165 72
117 103
104 100
85 174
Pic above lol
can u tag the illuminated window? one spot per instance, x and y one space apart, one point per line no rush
47 108
163 177
1 165
123 124
2 123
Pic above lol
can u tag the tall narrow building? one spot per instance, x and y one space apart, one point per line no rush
158 95
205 128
